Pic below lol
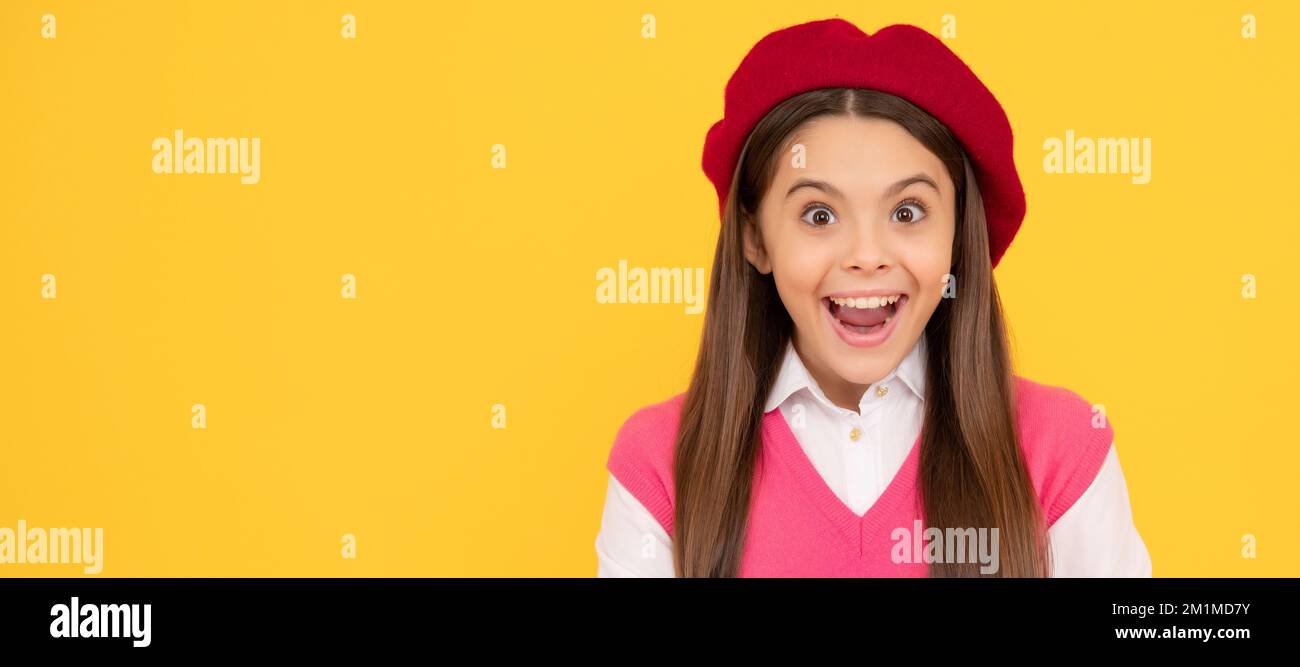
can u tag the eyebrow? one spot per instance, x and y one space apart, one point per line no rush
835 192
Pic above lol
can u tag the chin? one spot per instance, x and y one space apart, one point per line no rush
864 372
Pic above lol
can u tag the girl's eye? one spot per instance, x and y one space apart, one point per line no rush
909 212
820 216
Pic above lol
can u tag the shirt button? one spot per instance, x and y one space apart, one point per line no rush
855 434
882 390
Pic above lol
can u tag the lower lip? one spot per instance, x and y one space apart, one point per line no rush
872 339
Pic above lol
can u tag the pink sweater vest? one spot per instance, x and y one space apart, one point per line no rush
798 527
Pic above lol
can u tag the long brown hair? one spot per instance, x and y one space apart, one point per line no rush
971 471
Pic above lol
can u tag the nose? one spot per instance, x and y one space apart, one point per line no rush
868 249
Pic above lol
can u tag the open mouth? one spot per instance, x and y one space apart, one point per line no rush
864 315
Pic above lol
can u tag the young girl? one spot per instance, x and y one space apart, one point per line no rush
852 410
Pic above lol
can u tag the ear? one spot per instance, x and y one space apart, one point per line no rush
754 249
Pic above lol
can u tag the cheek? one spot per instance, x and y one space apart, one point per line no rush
929 259
929 272
930 252
799 271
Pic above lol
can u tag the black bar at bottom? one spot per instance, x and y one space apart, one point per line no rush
646 616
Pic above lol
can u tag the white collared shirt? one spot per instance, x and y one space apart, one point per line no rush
858 454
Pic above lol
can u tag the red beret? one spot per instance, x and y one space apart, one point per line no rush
902 60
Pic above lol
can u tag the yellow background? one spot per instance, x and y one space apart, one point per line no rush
476 285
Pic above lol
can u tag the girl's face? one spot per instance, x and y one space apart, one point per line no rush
869 212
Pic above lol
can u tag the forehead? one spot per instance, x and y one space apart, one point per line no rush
859 155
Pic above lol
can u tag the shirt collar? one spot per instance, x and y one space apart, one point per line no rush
794 376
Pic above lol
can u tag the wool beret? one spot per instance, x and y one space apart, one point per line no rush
900 59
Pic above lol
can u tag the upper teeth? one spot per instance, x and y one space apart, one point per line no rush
866 301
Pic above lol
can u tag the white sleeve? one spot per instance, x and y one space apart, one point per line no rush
631 543
1096 536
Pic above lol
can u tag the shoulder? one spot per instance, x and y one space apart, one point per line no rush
641 458
1064 439
1049 411
649 429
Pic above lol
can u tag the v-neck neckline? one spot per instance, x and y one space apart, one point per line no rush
777 432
